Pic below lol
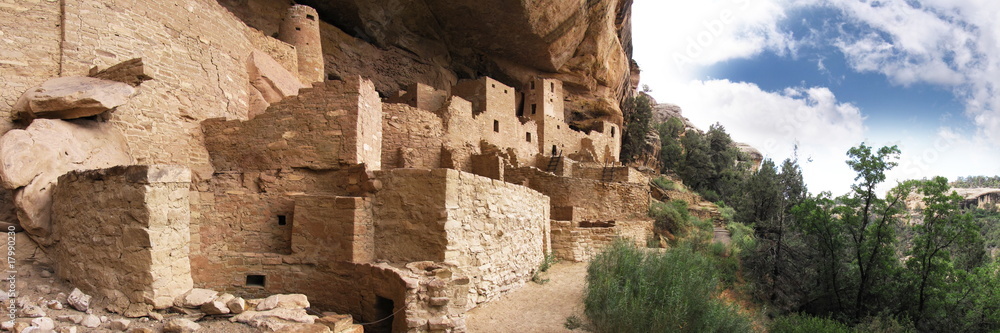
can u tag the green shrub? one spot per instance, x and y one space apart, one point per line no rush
672 216
807 324
631 290
664 183
573 322
742 236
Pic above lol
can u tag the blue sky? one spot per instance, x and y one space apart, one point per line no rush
829 74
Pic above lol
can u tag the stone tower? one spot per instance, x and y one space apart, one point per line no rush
301 29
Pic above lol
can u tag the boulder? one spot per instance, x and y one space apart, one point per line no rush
72 97
195 298
237 305
31 161
90 321
215 307
289 301
43 324
66 329
180 325
273 81
78 300
274 319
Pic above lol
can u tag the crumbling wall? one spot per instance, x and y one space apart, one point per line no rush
411 137
603 202
330 126
497 232
133 250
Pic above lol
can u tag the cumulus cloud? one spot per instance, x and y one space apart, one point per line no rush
775 122
951 43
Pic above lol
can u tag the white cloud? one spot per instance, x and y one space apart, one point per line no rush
774 122
952 43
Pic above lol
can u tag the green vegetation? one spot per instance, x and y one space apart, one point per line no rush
664 183
638 112
631 290
672 217
977 181
796 323
573 322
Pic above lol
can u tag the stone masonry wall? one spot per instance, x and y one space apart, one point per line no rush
29 49
133 250
603 201
571 241
333 125
497 232
412 138
410 215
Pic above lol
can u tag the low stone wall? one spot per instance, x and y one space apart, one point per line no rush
581 241
603 201
122 234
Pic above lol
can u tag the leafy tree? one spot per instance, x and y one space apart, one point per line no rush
698 171
638 113
869 222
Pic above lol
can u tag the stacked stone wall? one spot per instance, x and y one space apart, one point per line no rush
412 138
603 201
579 242
30 32
328 127
133 251
497 232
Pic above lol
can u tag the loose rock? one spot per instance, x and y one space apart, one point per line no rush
237 305
43 323
120 324
180 325
195 298
78 300
90 321
32 311
291 301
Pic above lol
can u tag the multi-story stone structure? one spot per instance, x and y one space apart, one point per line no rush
418 207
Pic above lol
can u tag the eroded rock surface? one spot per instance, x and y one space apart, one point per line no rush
71 97
31 161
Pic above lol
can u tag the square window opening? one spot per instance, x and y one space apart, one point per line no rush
254 280
282 220
311 17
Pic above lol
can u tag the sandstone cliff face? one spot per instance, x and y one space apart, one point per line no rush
585 43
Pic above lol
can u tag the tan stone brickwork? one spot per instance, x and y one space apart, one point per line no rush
239 212
411 137
410 215
123 235
620 174
330 126
497 232
29 50
598 200
580 242
333 228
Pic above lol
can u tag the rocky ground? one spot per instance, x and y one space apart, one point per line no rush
46 303
537 307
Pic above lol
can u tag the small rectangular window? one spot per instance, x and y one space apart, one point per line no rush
254 280
553 86
532 85
496 126
527 136
534 108
311 17
282 220
612 132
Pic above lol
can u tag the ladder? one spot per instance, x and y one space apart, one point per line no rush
608 173
554 163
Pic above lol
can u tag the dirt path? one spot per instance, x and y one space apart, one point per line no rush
722 235
535 307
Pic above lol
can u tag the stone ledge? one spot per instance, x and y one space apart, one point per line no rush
139 174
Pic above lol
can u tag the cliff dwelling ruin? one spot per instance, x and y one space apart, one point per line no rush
154 147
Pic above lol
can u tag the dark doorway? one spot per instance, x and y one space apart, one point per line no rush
384 309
